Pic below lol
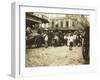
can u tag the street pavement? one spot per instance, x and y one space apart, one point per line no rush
54 56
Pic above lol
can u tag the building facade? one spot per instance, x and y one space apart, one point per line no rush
36 20
68 22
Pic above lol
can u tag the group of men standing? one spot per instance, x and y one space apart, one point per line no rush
59 38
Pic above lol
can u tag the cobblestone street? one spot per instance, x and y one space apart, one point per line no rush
54 56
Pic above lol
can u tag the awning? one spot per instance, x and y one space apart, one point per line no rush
36 19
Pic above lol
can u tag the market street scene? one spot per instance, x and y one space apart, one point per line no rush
56 39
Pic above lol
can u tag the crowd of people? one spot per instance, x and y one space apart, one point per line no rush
59 38
48 38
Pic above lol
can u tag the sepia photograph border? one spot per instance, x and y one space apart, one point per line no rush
18 68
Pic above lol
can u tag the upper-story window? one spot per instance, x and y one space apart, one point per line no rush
67 24
52 23
61 23
73 23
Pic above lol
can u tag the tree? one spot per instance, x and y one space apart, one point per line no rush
84 22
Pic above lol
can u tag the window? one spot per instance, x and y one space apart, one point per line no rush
73 23
67 24
61 23
52 23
